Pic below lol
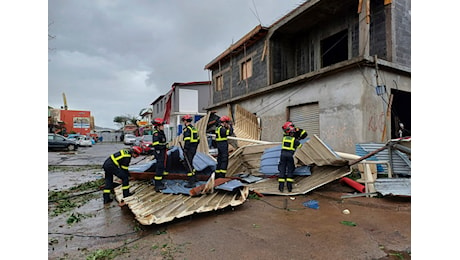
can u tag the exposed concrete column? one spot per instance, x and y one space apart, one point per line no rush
390 32
364 26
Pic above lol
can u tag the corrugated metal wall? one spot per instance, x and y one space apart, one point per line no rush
400 161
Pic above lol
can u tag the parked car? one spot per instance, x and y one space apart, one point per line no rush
138 141
144 143
129 139
56 141
84 141
73 137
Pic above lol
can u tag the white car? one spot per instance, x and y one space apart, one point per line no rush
84 141
129 139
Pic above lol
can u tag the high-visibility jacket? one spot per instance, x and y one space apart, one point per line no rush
122 159
222 133
191 135
290 143
159 140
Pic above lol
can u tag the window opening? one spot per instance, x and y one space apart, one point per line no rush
334 49
246 69
219 83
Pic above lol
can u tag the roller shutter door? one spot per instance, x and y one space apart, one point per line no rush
306 117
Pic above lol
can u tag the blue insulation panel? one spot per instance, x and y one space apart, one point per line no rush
270 159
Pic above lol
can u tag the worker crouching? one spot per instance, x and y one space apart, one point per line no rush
117 164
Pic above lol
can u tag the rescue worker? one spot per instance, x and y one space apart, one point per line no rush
299 132
117 164
224 130
160 147
191 141
286 164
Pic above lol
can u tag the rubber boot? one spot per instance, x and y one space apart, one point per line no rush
289 186
191 182
126 193
281 186
107 198
159 185
220 175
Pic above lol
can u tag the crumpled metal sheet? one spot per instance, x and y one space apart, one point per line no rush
302 185
150 207
315 151
393 186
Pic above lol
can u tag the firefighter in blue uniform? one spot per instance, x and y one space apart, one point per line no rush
286 164
224 130
160 151
191 141
117 164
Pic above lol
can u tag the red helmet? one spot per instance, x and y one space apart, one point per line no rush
136 149
187 118
286 125
225 119
289 129
158 122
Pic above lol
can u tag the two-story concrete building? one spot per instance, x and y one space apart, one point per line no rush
338 68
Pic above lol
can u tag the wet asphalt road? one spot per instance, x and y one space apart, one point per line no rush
94 155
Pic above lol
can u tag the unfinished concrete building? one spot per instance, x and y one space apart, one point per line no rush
338 68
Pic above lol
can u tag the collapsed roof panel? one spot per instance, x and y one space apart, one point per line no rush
315 151
302 185
150 207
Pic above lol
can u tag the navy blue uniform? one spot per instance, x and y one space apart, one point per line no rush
286 164
117 164
222 147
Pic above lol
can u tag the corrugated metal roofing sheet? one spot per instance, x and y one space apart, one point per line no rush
270 160
302 185
393 186
312 152
400 161
315 151
150 207
201 162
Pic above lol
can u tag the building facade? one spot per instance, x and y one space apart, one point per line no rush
70 121
183 98
338 68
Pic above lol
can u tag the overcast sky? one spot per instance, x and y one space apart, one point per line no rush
116 57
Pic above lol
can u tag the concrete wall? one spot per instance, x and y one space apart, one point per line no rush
350 110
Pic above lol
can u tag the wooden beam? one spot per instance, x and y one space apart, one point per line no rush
387 118
367 155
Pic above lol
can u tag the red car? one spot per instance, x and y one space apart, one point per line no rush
144 143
